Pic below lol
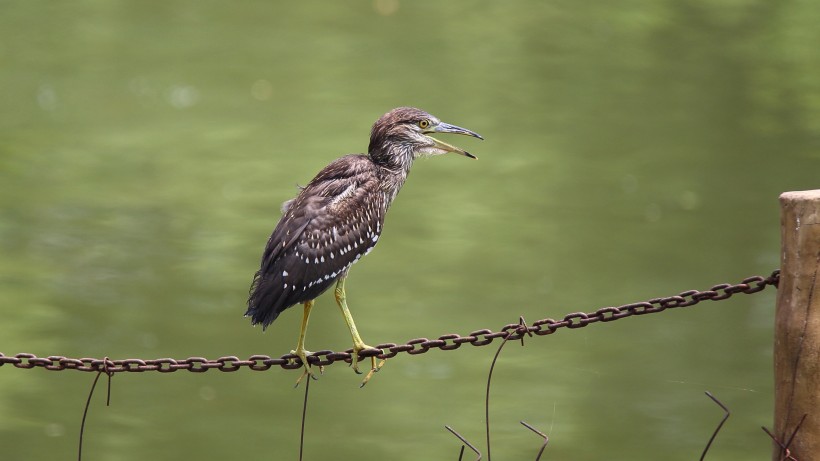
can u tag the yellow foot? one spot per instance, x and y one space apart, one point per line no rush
307 369
374 368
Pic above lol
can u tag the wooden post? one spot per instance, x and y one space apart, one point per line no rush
797 327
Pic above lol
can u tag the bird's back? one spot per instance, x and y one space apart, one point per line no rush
335 220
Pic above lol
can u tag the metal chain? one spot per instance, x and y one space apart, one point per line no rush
416 346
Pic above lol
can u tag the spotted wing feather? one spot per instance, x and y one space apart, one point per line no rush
335 220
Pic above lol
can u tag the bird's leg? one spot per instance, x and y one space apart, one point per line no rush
300 346
358 344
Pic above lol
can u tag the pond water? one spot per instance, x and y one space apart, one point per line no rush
633 150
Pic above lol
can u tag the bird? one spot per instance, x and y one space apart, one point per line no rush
336 219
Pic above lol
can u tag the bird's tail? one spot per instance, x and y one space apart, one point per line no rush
263 301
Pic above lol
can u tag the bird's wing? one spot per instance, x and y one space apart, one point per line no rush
341 228
345 230
339 208
332 223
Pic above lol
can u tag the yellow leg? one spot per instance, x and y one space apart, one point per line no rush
300 346
358 344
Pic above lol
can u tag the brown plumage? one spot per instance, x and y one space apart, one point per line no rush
335 220
338 218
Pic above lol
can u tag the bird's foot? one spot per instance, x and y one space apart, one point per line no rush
374 367
307 369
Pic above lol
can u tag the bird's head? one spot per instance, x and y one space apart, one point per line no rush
403 134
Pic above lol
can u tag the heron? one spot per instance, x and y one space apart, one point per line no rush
338 218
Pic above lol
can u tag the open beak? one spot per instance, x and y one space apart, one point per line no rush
447 128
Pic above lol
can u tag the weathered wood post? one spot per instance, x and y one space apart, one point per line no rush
797 327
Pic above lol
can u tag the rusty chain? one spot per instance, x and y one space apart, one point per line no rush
414 346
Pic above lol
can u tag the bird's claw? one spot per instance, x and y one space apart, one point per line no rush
307 368
308 372
374 368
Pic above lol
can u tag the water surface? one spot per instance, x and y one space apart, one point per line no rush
632 150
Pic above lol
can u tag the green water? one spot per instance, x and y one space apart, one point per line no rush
633 150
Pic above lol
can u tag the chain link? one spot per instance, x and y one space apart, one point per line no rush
513 331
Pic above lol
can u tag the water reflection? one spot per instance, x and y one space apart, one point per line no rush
632 151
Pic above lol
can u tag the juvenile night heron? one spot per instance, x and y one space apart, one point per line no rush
338 218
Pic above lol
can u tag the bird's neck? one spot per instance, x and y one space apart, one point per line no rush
394 166
394 156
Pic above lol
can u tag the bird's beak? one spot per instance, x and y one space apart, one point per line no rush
447 128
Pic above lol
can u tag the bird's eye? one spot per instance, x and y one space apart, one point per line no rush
424 124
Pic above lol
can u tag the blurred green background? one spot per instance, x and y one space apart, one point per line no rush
633 149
